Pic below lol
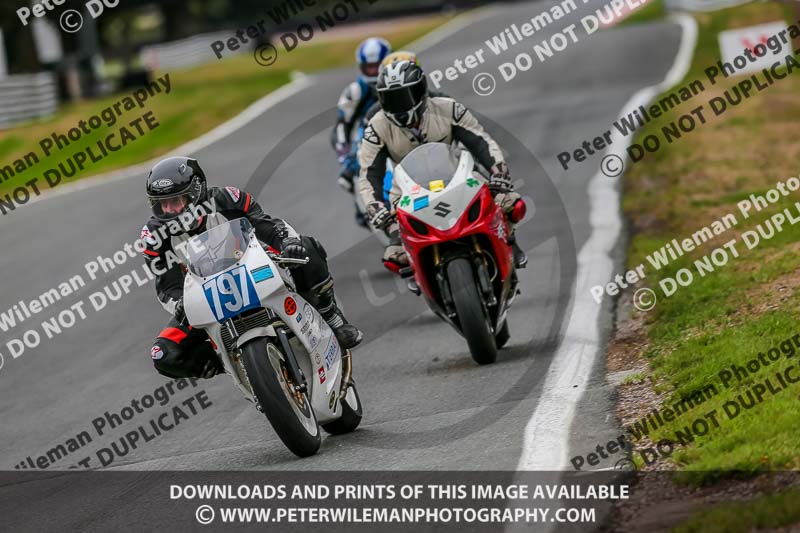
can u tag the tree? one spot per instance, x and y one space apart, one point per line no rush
21 52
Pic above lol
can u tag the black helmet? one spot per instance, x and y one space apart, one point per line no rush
403 90
172 180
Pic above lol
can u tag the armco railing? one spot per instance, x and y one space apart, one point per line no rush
27 96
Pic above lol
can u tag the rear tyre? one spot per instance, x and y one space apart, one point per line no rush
472 317
351 414
502 336
289 413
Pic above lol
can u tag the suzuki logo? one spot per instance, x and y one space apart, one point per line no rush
442 209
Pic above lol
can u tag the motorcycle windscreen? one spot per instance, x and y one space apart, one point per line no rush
431 163
219 248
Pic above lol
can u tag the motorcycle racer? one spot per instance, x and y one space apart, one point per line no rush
353 104
177 186
400 55
409 117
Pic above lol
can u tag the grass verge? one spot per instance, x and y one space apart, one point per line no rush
745 307
651 12
771 511
200 99
749 304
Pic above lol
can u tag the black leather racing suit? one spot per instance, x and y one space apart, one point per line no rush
180 351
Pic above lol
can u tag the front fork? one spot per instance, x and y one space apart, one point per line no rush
296 373
481 269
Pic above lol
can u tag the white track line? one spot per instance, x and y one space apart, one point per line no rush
299 83
546 445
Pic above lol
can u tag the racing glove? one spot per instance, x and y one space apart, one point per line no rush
292 248
342 149
378 216
179 313
211 369
500 181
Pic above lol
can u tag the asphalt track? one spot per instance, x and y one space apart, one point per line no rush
428 406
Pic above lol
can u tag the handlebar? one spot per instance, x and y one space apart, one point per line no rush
289 261
280 260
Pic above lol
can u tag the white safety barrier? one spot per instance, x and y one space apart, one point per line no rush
26 97
183 53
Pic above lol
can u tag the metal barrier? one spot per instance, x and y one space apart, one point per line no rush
27 96
183 53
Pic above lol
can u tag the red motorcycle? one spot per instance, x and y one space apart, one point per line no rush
455 237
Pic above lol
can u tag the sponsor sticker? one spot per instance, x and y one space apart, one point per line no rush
156 353
308 312
421 203
415 188
321 374
163 183
299 317
262 274
289 306
442 209
436 186
329 355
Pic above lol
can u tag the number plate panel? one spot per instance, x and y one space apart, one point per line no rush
231 293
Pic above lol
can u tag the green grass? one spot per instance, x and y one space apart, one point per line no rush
768 512
201 98
651 12
750 304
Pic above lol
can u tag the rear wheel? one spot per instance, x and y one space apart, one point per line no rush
351 414
475 324
289 412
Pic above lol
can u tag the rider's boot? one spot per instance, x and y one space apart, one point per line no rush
347 334
520 257
361 218
346 180
394 256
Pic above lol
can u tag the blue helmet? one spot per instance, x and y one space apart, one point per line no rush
369 55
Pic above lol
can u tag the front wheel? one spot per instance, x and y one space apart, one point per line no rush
475 325
289 412
502 336
351 414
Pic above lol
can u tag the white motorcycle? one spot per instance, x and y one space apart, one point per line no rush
268 337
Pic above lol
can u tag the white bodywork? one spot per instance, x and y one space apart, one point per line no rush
441 209
318 353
